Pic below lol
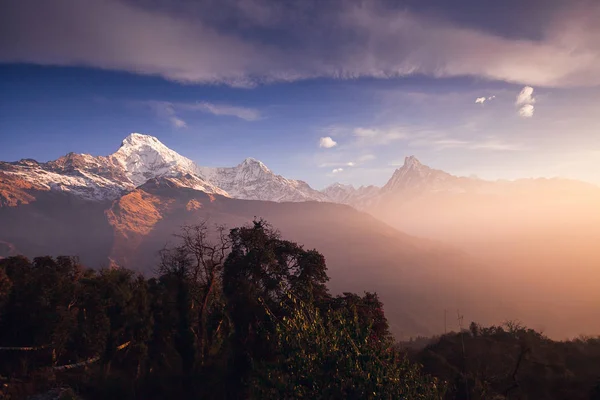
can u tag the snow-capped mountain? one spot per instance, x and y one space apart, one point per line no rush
252 180
141 158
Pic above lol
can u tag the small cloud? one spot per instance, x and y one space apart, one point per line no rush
248 114
327 142
526 111
337 164
337 170
171 111
366 157
526 101
525 97
376 137
365 132
178 122
481 100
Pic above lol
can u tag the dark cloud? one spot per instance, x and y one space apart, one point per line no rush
242 42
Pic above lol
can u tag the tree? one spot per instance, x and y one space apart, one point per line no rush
331 355
196 263
258 273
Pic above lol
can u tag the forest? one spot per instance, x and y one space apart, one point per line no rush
245 314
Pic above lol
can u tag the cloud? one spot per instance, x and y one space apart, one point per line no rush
164 110
170 111
526 100
327 142
337 170
487 143
525 96
344 164
248 114
366 157
481 100
526 111
377 136
370 39
178 122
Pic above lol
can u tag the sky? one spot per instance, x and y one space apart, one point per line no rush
319 90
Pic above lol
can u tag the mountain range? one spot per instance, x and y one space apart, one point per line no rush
426 241
142 157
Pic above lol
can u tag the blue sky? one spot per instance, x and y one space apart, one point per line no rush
320 91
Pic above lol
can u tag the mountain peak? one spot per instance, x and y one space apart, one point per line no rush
250 160
144 157
415 176
253 162
412 162
138 139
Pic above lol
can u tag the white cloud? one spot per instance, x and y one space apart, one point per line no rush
337 164
248 114
377 137
366 157
183 46
481 100
525 96
327 142
359 161
526 100
366 132
489 143
178 122
526 111
337 170
171 111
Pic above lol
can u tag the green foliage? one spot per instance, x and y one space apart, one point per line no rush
332 356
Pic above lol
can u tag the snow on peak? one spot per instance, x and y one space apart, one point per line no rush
254 164
141 158
252 180
144 157
136 141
